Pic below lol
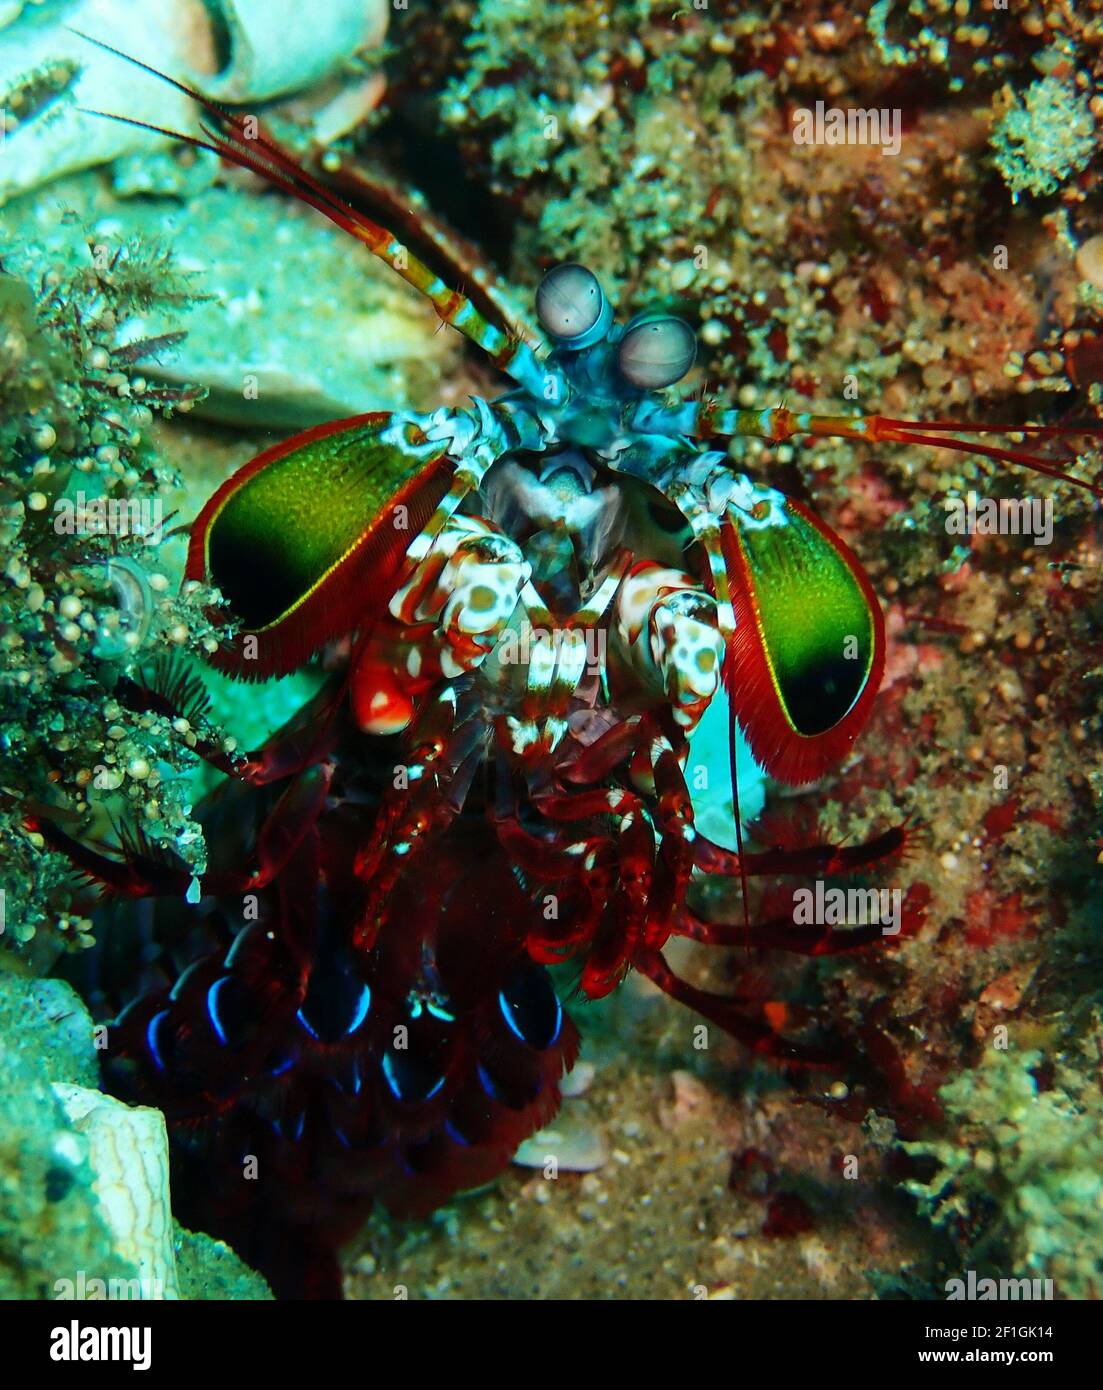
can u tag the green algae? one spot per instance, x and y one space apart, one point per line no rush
84 599
1020 1186
1046 137
50 1222
208 1269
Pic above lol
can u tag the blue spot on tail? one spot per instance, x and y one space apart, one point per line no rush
217 1021
411 1080
531 1008
153 1040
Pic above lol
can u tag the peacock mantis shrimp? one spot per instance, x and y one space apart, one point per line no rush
449 818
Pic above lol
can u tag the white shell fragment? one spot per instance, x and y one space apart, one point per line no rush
231 50
128 1153
47 71
575 1145
280 46
578 1080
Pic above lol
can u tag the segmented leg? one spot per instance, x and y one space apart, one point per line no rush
807 861
668 646
625 884
551 862
426 795
557 656
666 639
759 1035
777 934
817 860
442 622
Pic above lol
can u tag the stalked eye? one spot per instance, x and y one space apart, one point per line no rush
530 1007
572 307
656 350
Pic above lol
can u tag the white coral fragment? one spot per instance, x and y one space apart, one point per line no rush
129 1156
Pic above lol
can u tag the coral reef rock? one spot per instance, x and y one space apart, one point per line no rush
52 78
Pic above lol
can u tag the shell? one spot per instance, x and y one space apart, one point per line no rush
576 1145
280 46
128 1152
261 49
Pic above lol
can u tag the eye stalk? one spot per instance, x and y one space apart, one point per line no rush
572 307
657 350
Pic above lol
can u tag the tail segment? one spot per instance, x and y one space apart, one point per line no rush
302 1080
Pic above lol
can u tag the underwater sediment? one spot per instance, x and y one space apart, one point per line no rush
164 317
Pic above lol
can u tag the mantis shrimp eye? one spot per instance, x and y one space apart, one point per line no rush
572 307
656 352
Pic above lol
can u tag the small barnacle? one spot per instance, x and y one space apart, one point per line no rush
36 91
134 607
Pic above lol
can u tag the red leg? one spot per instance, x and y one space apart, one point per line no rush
759 1036
819 860
599 758
636 905
778 934
411 814
138 872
